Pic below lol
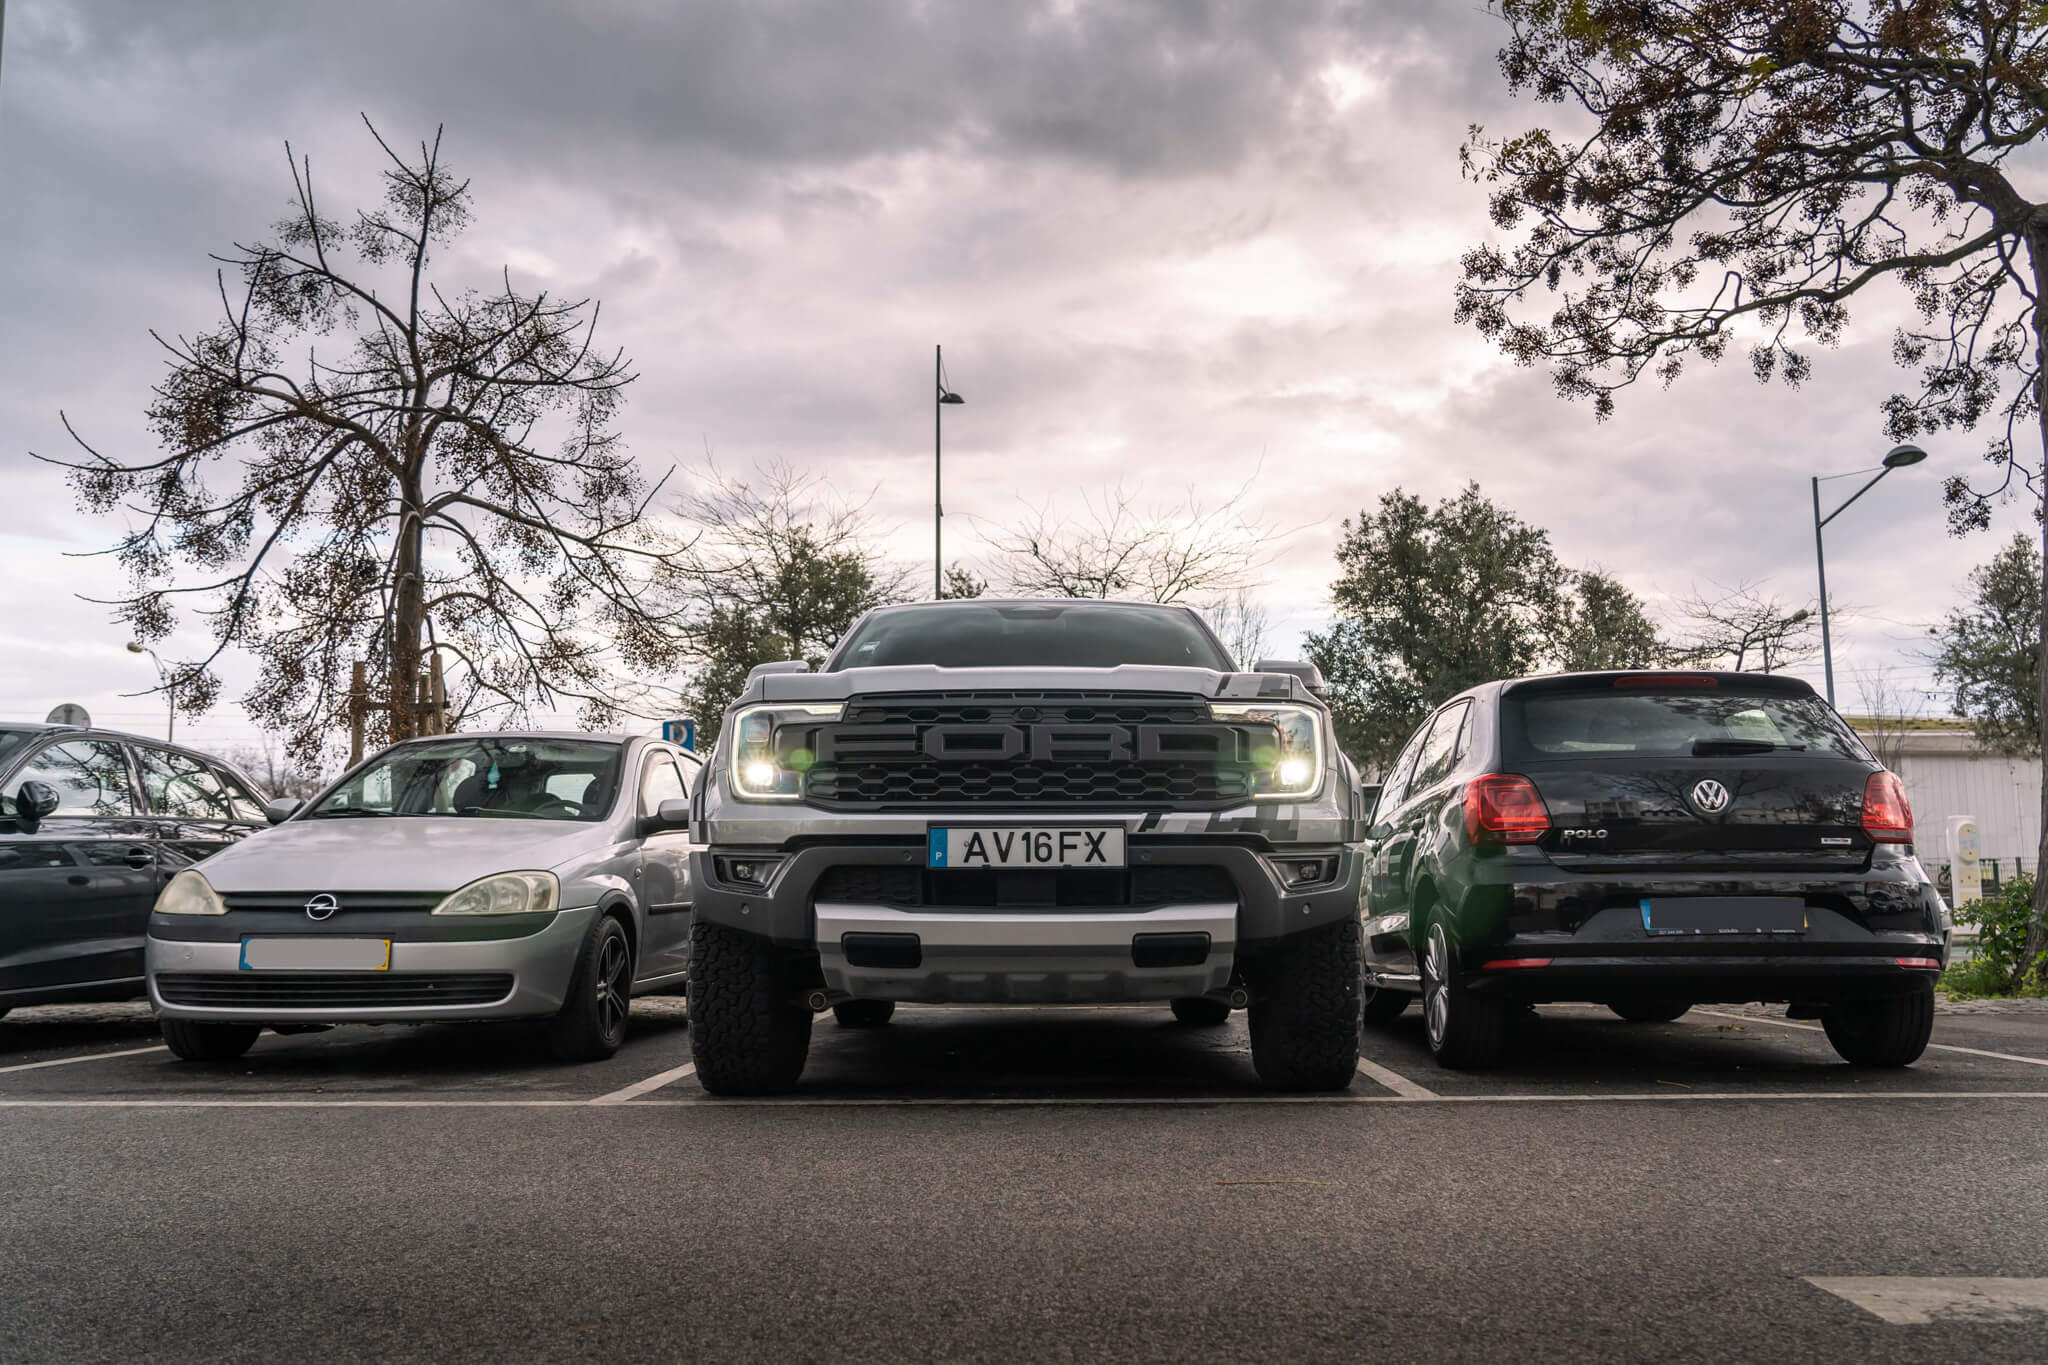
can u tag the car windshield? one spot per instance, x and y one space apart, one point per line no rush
502 777
1027 634
1691 721
10 742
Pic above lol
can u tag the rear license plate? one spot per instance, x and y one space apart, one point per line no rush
1724 915
316 954
970 846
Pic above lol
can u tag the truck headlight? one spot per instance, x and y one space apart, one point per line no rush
505 893
188 893
1293 770
759 769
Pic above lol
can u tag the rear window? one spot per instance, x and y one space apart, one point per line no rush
10 741
1024 634
1622 722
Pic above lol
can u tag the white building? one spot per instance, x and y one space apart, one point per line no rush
1947 772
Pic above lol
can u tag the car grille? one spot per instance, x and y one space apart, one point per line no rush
1021 887
349 900
907 777
332 990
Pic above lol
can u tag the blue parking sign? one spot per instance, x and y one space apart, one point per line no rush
683 732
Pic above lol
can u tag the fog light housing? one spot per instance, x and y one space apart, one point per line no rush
754 873
1297 874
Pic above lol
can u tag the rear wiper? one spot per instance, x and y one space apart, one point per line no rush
1701 748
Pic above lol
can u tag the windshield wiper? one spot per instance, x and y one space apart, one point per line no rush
1701 748
341 813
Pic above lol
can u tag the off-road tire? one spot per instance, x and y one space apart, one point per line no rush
1201 1010
1382 1006
863 1013
1891 1032
592 1023
1650 1011
1304 1010
197 1041
1465 1031
748 1033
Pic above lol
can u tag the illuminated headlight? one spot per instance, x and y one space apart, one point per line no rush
505 893
188 893
1294 770
760 768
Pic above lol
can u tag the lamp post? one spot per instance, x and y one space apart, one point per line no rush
940 397
1898 457
170 699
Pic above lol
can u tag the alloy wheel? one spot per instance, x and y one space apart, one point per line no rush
614 985
1436 985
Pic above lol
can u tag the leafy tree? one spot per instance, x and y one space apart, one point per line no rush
1430 601
408 467
1989 652
962 582
774 570
1753 167
1745 629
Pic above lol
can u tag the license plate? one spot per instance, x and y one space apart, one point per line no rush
316 954
970 846
1724 915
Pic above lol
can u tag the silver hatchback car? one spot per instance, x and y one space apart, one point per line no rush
477 876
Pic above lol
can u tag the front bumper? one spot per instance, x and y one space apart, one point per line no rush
522 977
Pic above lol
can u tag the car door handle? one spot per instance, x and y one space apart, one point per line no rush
139 858
79 881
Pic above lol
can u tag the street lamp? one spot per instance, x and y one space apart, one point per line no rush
940 398
170 699
1898 457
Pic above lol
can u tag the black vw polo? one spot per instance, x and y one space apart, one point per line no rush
1648 841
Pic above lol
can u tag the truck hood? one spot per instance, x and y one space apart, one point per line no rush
400 853
853 682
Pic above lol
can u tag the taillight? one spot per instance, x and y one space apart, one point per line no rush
1504 808
1887 814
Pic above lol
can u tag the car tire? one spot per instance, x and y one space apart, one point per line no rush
1304 1012
748 1034
1465 1031
863 1013
1201 1010
1383 1006
1892 1032
196 1041
4 1009
592 1023
1650 1011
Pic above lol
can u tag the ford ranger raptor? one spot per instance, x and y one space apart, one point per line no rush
1026 802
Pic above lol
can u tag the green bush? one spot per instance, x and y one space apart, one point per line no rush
2000 966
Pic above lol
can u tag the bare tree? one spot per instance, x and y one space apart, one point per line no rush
1887 711
775 568
1242 624
1184 552
1744 629
273 772
412 470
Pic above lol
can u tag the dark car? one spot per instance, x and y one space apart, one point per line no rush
92 824
1648 841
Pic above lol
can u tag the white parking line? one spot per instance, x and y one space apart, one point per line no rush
1912 1300
91 1057
654 1082
1932 1047
1395 1081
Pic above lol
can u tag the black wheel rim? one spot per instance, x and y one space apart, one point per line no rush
1436 985
614 985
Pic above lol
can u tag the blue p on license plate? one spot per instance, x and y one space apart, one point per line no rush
972 846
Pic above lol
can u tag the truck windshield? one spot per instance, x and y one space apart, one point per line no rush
1616 721
503 777
1031 634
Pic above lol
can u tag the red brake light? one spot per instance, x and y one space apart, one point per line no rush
1887 814
1526 962
1668 680
1504 808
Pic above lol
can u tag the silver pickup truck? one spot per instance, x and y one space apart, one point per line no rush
1026 802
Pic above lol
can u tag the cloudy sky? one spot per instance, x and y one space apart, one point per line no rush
1165 243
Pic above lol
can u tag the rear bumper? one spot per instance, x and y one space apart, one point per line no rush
1730 978
1052 957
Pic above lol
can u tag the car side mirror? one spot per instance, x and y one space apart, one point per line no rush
1311 677
277 812
670 816
33 802
1369 796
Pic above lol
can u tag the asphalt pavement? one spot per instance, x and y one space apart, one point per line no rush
1023 1184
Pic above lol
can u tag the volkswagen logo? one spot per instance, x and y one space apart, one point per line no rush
1710 796
321 906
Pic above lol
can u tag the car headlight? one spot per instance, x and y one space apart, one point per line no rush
1292 771
505 893
762 768
188 893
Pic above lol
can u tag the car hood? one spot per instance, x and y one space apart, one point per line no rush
403 853
851 682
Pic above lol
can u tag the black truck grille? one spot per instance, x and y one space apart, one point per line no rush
1022 749
332 990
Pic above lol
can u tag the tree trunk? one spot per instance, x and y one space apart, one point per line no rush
408 617
2037 926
